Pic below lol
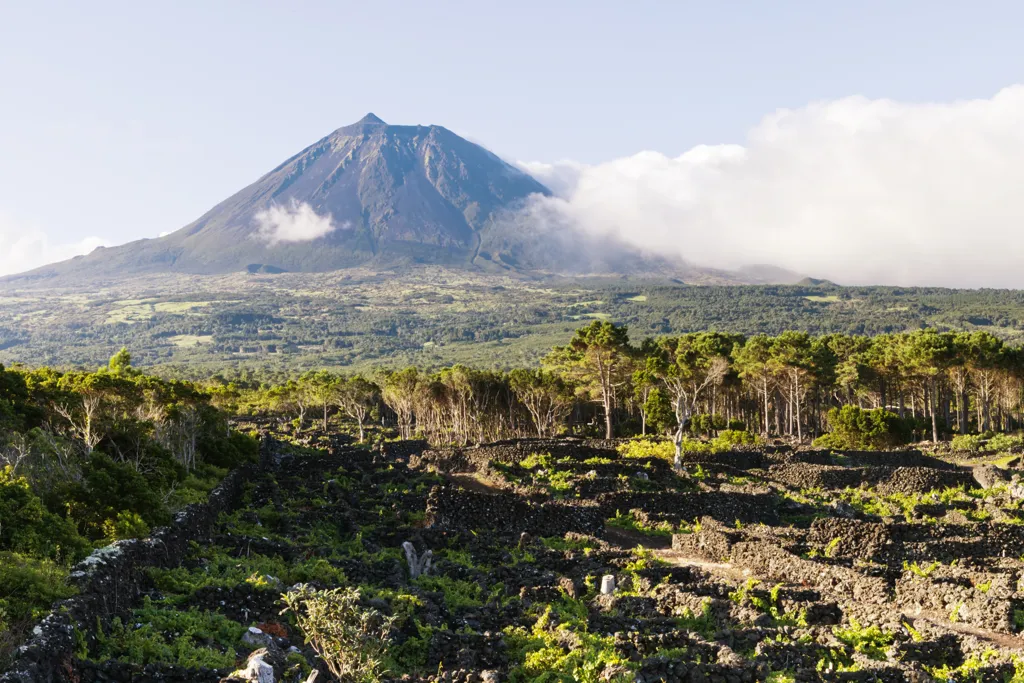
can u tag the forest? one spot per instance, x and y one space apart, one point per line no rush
894 388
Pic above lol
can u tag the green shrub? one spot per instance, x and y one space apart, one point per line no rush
855 428
27 527
109 487
29 586
661 417
647 448
125 525
968 442
349 638
730 438
988 442
868 640
161 635
231 452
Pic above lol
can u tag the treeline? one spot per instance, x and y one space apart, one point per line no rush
935 385
87 458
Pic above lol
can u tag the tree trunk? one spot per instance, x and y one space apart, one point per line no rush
799 428
765 382
935 425
608 432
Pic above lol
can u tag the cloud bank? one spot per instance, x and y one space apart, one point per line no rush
860 191
23 247
296 222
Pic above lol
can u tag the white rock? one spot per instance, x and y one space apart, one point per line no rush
607 584
257 637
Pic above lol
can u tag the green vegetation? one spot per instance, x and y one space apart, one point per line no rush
350 639
156 634
868 640
87 458
854 428
707 392
431 317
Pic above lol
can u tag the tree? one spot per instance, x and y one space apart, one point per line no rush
791 360
928 356
695 363
83 399
121 362
753 362
399 393
356 397
597 360
659 412
546 397
320 386
984 355
646 380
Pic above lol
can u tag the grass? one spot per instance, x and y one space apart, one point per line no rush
183 340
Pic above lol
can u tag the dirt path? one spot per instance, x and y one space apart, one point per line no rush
473 482
725 570
1006 640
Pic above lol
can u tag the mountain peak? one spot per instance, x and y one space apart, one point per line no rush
370 118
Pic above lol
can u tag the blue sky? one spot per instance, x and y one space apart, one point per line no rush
124 120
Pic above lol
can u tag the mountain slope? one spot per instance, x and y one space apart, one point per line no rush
418 193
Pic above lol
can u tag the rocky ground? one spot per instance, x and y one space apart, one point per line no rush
747 566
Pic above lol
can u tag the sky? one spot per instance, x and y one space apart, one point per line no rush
802 121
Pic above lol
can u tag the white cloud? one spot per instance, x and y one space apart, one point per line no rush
297 222
858 190
23 247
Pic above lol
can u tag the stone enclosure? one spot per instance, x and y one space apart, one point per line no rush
746 566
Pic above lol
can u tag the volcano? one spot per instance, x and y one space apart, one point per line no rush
376 194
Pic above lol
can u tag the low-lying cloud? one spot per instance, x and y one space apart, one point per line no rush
296 222
860 191
23 247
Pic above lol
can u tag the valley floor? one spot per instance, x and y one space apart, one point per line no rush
431 316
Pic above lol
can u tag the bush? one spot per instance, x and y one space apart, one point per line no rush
661 418
234 451
126 525
1001 443
28 587
854 428
730 438
108 488
161 635
647 448
968 442
987 442
706 423
27 527
349 638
